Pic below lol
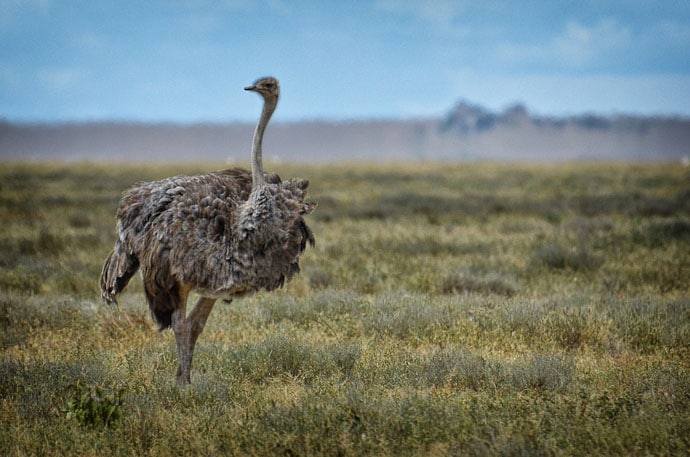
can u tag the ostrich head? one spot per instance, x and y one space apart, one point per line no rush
267 87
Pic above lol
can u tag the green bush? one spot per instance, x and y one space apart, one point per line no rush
92 406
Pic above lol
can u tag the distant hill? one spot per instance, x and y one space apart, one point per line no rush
466 132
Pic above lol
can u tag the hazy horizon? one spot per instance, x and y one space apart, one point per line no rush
466 132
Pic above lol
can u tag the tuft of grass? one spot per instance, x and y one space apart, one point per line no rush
461 369
559 256
309 310
466 282
657 234
21 279
22 316
279 356
648 324
543 372
319 278
407 316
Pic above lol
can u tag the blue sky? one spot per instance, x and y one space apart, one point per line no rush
188 60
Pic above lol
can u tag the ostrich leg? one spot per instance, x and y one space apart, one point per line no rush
187 329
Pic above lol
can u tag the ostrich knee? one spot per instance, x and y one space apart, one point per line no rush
187 330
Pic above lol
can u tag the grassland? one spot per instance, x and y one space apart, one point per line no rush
474 309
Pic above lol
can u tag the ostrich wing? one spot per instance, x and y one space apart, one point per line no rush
187 230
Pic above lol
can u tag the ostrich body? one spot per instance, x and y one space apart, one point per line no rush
223 235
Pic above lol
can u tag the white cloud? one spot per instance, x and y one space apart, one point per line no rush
89 41
58 79
577 45
438 13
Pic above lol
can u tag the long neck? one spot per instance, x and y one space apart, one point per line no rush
257 161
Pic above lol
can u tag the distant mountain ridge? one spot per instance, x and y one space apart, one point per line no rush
466 132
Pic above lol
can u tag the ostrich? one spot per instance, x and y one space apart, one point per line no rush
223 235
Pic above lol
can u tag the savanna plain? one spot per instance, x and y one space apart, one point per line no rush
454 309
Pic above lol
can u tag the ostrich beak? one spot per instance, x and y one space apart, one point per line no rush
250 88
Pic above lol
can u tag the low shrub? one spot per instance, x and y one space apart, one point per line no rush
92 406
466 282
555 255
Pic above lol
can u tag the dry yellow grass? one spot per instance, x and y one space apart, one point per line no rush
476 309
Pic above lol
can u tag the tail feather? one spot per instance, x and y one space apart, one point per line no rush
162 303
307 235
163 293
118 269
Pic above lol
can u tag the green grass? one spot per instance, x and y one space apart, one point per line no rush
469 309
